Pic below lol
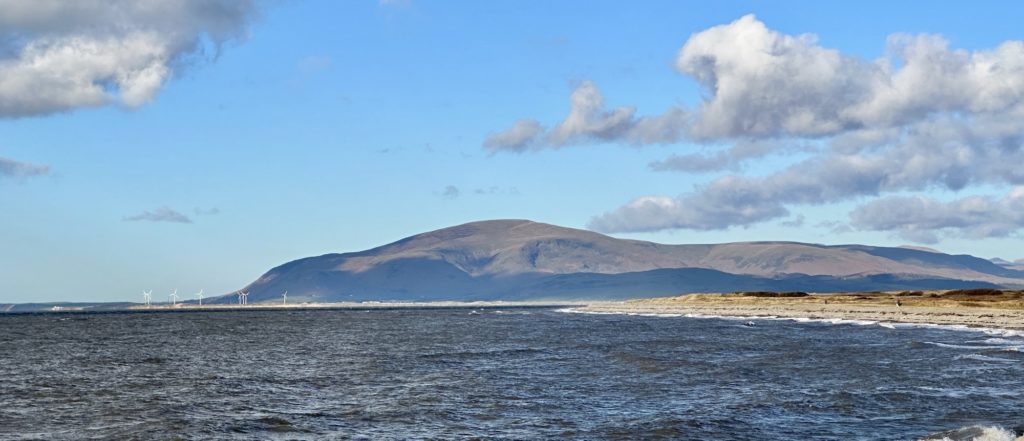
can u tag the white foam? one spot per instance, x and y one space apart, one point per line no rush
952 346
990 433
1015 347
979 357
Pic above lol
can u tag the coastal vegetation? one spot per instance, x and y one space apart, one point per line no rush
957 298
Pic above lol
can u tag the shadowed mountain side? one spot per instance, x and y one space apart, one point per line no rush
426 280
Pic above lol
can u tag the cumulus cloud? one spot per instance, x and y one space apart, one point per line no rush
518 138
762 83
58 56
728 201
921 219
589 120
947 153
767 83
10 168
162 214
922 117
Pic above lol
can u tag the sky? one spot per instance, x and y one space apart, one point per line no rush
191 144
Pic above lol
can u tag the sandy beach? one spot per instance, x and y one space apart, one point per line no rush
988 310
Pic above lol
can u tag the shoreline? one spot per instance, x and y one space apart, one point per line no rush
371 305
360 305
974 317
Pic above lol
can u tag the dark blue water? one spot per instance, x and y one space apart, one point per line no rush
514 373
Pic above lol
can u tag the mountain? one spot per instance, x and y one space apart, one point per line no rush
520 259
1016 265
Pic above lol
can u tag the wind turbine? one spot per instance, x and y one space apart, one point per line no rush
147 296
245 298
174 297
284 301
239 297
200 295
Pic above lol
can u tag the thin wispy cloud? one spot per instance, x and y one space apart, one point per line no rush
496 190
10 168
450 192
162 214
206 211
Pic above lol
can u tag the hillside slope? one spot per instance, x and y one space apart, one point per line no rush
518 259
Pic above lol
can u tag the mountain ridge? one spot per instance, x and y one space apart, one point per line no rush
511 258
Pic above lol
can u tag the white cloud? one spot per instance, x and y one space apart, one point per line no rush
921 219
520 137
10 168
61 56
922 117
587 121
763 83
728 201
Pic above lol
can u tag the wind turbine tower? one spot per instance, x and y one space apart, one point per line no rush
174 297
245 298
200 295
147 296
284 300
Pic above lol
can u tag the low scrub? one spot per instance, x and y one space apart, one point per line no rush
773 294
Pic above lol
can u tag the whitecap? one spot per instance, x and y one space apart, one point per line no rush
835 321
979 357
973 433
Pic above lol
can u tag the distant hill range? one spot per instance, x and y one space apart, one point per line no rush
520 259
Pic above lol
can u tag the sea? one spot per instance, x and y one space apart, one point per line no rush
500 373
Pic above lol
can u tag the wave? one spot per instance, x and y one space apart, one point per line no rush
979 357
973 433
1007 348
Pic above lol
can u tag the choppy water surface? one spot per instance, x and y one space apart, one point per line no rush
514 373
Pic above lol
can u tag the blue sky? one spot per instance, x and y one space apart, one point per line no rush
281 130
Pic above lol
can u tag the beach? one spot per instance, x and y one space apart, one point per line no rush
974 308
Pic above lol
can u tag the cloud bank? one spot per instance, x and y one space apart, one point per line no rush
57 56
924 116
923 220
